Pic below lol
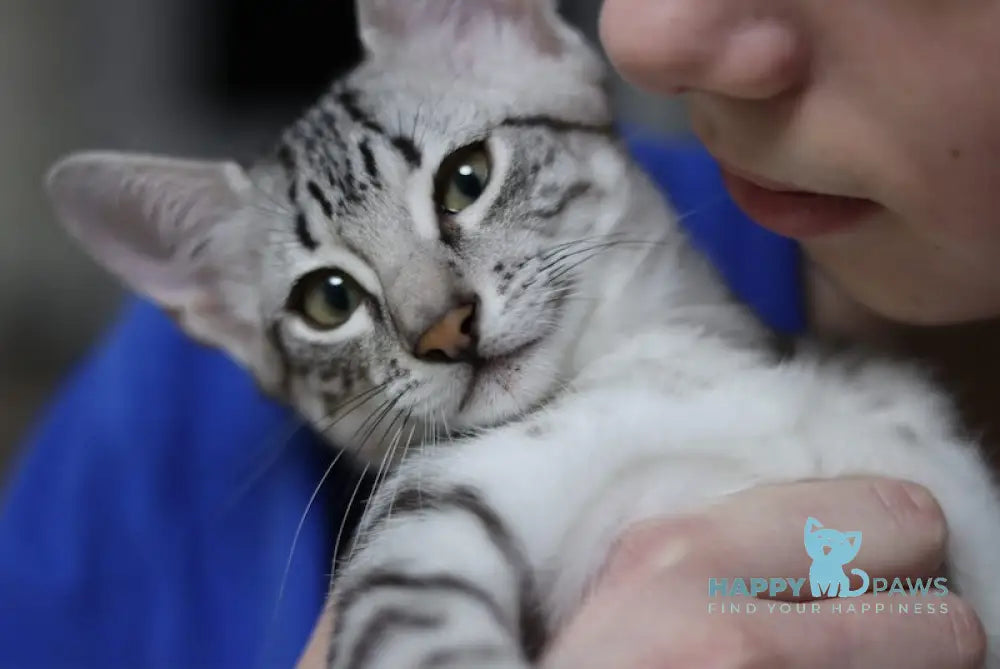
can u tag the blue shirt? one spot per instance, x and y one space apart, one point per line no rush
151 520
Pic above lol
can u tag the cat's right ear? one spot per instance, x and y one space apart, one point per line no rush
169 229
383 24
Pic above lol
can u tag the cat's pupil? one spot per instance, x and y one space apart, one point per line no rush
468 182
462 179
336 293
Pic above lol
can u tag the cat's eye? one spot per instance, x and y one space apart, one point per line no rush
462 178
326 299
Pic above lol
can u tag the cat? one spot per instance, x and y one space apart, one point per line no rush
830 550
453 242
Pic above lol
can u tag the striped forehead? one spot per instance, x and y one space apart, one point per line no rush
329 157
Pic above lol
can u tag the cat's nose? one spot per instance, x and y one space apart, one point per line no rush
454 338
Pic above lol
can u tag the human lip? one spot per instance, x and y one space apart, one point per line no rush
793 212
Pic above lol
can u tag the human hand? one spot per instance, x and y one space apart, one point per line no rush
650 606
314 656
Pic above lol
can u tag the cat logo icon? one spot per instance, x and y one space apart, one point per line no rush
830 550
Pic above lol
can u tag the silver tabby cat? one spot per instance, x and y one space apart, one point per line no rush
453 243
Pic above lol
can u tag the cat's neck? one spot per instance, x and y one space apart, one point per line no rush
965 358
654 279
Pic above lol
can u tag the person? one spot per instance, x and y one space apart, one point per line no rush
138 530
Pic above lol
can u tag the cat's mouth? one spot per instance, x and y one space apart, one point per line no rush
500 371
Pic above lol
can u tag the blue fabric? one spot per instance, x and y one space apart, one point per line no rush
152 516
760 267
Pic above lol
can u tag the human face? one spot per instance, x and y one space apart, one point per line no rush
867 129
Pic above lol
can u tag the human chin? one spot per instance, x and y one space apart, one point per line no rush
901 277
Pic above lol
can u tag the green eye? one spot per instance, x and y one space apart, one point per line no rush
326 299
462 178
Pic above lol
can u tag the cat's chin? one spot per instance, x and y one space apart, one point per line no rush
505 389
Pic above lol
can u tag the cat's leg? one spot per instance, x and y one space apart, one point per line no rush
443 582
491 544
464 560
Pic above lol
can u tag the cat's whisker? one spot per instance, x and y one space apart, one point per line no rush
388 460
298 532
387 456
554 278
300 425
357 445
447 429
379 474
267 460
379 414
570 253
714 202
547 253
358 401
383 470
385 464
346 516
406 450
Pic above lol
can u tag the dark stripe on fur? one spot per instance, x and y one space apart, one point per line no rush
286 157
301 224
379 579
278 344
464 498
409 150
317 194
473 656
382 625
348 99
371 167
302 232
559 125
573 192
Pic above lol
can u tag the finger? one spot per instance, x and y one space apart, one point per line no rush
315 654
667 622
759 533
867 631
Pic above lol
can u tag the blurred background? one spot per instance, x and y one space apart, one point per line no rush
205 78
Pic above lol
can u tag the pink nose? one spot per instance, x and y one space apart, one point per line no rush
451 339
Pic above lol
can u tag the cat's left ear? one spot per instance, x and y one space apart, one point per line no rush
171 230
384 24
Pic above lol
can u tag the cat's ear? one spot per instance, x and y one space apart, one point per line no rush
812 525
385 23
854 538
167 229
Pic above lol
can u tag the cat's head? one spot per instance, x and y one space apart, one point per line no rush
412 248
829 545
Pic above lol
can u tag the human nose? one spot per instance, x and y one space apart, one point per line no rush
749 49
